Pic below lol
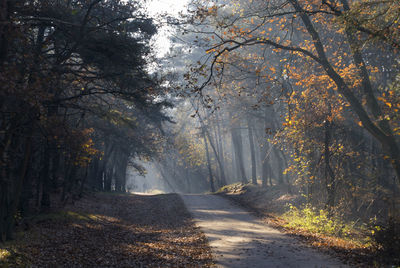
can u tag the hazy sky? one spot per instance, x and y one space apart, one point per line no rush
157 8
171 6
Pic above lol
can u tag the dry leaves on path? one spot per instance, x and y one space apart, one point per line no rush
108 230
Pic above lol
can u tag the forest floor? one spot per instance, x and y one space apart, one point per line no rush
239 239
269 205
111 230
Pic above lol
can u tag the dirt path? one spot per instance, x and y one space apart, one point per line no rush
238 239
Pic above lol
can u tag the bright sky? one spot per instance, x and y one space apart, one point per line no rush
172 8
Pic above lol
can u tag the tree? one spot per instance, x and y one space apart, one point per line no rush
76 84
304 31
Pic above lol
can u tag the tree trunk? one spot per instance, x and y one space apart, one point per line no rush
281 165
44 176
6 219
4 29
93 174
238 149
253 153
212 186
219 162
124 167
264 169
329 175
217 156
108 178
165 177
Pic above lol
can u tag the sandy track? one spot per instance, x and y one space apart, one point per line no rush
238 239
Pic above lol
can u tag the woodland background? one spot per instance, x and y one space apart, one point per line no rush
300 94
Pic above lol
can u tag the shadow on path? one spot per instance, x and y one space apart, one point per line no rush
238 239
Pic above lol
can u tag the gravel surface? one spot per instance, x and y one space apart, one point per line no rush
238 239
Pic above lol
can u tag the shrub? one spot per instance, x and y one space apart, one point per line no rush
316 221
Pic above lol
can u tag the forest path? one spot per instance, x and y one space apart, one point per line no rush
238 239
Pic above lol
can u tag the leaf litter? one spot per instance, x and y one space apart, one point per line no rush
108 230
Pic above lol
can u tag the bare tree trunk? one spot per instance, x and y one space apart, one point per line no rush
265 167
253 153
8 177
44 176
219 153
329 174
281 165
212 186
124 168
219 162
165 177
221 146
4 28
238 149
264 152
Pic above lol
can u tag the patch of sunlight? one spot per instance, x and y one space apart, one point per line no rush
80 216
77 216
10 257
150 192
65 216
84 216
115 193
94 216
218 212
232 187
4 254
155 191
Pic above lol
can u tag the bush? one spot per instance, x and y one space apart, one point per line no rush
316 221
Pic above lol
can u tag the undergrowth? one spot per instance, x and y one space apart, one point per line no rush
319 221
10 255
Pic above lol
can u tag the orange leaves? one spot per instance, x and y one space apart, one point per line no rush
80 146
210 50
387 100
212 10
